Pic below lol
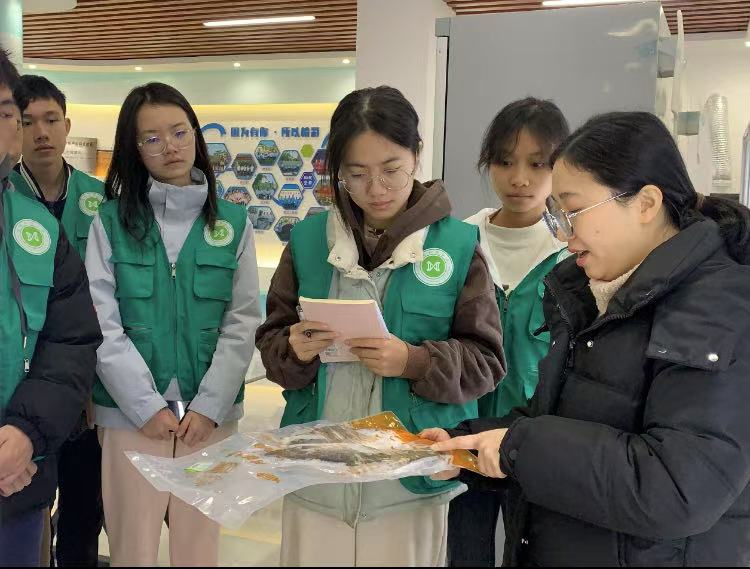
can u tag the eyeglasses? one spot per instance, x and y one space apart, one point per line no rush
560 223
156 145
393 180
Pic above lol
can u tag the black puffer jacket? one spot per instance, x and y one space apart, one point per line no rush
636 448
48 403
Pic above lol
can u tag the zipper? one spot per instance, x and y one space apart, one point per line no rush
174 270
568 324
26 362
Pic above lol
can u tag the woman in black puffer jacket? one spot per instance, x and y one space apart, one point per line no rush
636 447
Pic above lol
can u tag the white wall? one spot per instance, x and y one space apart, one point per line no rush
718 65
396 46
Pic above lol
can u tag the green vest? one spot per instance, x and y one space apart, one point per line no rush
85 194
418 305
172 312
30 236
521 315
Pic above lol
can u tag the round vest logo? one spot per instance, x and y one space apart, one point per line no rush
223 234
90 202
435 269
32 236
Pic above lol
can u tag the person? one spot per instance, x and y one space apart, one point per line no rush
46 317
520 252
391 239
175 285
73 197
635 449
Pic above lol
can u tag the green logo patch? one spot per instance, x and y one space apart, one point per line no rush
435 269
32 236
222 234
90 202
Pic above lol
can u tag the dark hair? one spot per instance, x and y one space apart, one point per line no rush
34 88
127 178
626 151
8 72
382 110
543 119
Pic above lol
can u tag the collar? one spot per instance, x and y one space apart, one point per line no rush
28 177
344 254
187 200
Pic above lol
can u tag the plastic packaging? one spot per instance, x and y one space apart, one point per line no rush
231 480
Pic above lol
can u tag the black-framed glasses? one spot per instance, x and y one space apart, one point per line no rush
560 223
156 144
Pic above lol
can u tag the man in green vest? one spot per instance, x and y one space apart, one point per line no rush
49 334
73 197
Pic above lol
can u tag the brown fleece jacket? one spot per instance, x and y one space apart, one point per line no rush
463 368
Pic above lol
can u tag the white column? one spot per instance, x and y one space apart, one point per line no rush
396 47
11 29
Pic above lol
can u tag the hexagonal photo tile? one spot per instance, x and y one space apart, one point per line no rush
308 180
315 210
265 186
323 192
289 196
284 227
290 163
219 156
220 189
239 195
307 151
267 153
261 216
319 162
244 166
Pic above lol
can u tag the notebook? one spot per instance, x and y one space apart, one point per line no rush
350 318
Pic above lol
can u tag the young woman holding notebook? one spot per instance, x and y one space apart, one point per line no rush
391 239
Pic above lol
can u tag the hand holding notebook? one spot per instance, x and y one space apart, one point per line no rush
351 319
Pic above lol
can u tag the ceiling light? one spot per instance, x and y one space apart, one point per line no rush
138 68
237 64
560 3
32 66
346 61
259 21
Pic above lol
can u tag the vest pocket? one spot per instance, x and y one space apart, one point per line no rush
82 233
134 271
427 315
214 274
207 341
36 283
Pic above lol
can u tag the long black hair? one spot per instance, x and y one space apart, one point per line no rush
626 151
127 179
382 110
541 118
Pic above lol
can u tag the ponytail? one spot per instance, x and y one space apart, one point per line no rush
733 219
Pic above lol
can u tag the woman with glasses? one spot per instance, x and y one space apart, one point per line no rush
174 281
520 252
635 450
391 239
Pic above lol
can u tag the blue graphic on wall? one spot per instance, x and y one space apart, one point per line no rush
220 189
290 163
239 195
261 216
284 227
289 197
219 156
325 142
308 180
267 153
319 162
244 166
323 192
214 126
265 186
